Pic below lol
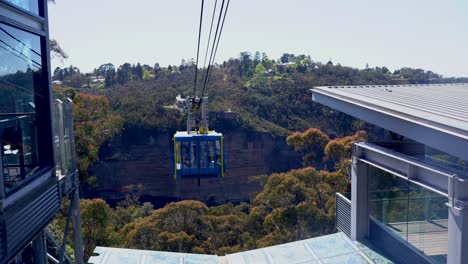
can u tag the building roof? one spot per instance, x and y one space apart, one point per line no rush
106 255
184 134
433 114
335 248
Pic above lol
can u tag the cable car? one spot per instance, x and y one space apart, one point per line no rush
198 153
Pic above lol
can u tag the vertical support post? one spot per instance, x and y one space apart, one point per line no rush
65 233
2 183
61 138
205 115
384 210
77 233
457 236
40 249
75 198
189 114
359 193
457 221
21 152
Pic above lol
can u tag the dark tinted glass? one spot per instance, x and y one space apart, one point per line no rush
29 5
20 70
20 92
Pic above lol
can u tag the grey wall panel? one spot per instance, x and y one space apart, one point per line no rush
343 214
23 224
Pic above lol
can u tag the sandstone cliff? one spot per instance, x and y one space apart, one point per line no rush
141 157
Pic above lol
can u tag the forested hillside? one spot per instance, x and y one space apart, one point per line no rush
266 95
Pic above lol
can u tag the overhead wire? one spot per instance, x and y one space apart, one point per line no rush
213 46
209 38
198 48
21 88
216 40
25 58
13 37
220 32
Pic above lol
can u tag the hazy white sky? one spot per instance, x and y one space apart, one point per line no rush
429 34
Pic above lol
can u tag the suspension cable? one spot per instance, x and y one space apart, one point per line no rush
198 48
209 39
216 40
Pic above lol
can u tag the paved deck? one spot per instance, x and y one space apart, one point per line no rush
431 237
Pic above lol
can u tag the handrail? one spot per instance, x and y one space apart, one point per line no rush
16 118
18 114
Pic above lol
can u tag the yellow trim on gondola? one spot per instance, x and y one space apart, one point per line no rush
175 158
222 157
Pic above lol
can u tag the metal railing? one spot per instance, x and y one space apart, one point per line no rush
19 159
417 218
460 169
64 145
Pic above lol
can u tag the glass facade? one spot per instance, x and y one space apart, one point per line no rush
415 214
28 5
63 147
21 91
446 161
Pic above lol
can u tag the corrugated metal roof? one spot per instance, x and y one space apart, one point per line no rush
444 105
335 248
426 112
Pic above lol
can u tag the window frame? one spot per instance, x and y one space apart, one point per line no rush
44 108
39 15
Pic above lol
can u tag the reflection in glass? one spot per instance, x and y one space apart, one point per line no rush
415 214
20 70
18 149
20 90
29 5
63 155
446 161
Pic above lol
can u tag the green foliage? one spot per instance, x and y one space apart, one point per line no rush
95 123
96 221
266 96
311 144
294 205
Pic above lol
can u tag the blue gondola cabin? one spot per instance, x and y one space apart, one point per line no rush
198 156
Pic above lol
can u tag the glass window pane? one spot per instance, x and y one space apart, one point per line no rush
20 90
194 155
28 5
20 70
211 158
185 151
203 154
20 159
415 214
177 158
218 154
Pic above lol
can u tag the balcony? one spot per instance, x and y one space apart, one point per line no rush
31 191
65 168
19 150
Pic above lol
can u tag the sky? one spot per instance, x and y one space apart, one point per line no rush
428 34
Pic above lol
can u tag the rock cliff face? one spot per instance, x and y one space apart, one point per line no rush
140 157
